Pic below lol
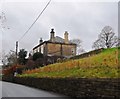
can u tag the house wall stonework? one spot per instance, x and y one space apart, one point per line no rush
61 49
54 49
69 50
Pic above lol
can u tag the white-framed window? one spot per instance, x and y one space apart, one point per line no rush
42 49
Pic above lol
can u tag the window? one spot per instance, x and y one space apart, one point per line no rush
73 50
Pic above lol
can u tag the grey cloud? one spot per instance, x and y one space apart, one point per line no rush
81 20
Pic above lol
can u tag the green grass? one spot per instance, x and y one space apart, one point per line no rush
103 65
96 72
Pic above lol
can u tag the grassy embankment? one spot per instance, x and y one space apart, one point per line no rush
103 65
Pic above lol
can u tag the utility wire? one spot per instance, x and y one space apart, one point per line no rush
34 21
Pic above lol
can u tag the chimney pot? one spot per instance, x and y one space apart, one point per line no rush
52 35
40 40
52 31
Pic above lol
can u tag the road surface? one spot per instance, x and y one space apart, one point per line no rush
16 90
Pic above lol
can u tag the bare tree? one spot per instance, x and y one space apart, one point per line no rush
78 42
98 44
3 21
3 26
106 38
4 58
9 59
118 44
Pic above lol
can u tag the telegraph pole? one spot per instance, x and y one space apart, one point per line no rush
16 52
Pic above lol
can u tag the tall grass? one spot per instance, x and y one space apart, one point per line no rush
104 64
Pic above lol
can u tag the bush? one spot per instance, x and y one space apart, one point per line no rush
37 55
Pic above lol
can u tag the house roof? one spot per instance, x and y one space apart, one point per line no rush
58 40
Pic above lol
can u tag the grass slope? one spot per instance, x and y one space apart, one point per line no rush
103 65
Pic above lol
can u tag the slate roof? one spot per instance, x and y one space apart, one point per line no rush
61 40
58 40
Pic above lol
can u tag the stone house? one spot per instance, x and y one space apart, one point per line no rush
56 46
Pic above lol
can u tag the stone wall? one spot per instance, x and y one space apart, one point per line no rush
69 50
88 54
76 87
54 49
61 49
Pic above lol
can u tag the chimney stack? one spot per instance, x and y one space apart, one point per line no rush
66 37
40 41
52 35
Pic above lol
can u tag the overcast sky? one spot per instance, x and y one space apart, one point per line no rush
83 20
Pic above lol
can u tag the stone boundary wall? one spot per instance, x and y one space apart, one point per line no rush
88 54
75 87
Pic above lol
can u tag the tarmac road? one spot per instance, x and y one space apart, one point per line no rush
16 90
